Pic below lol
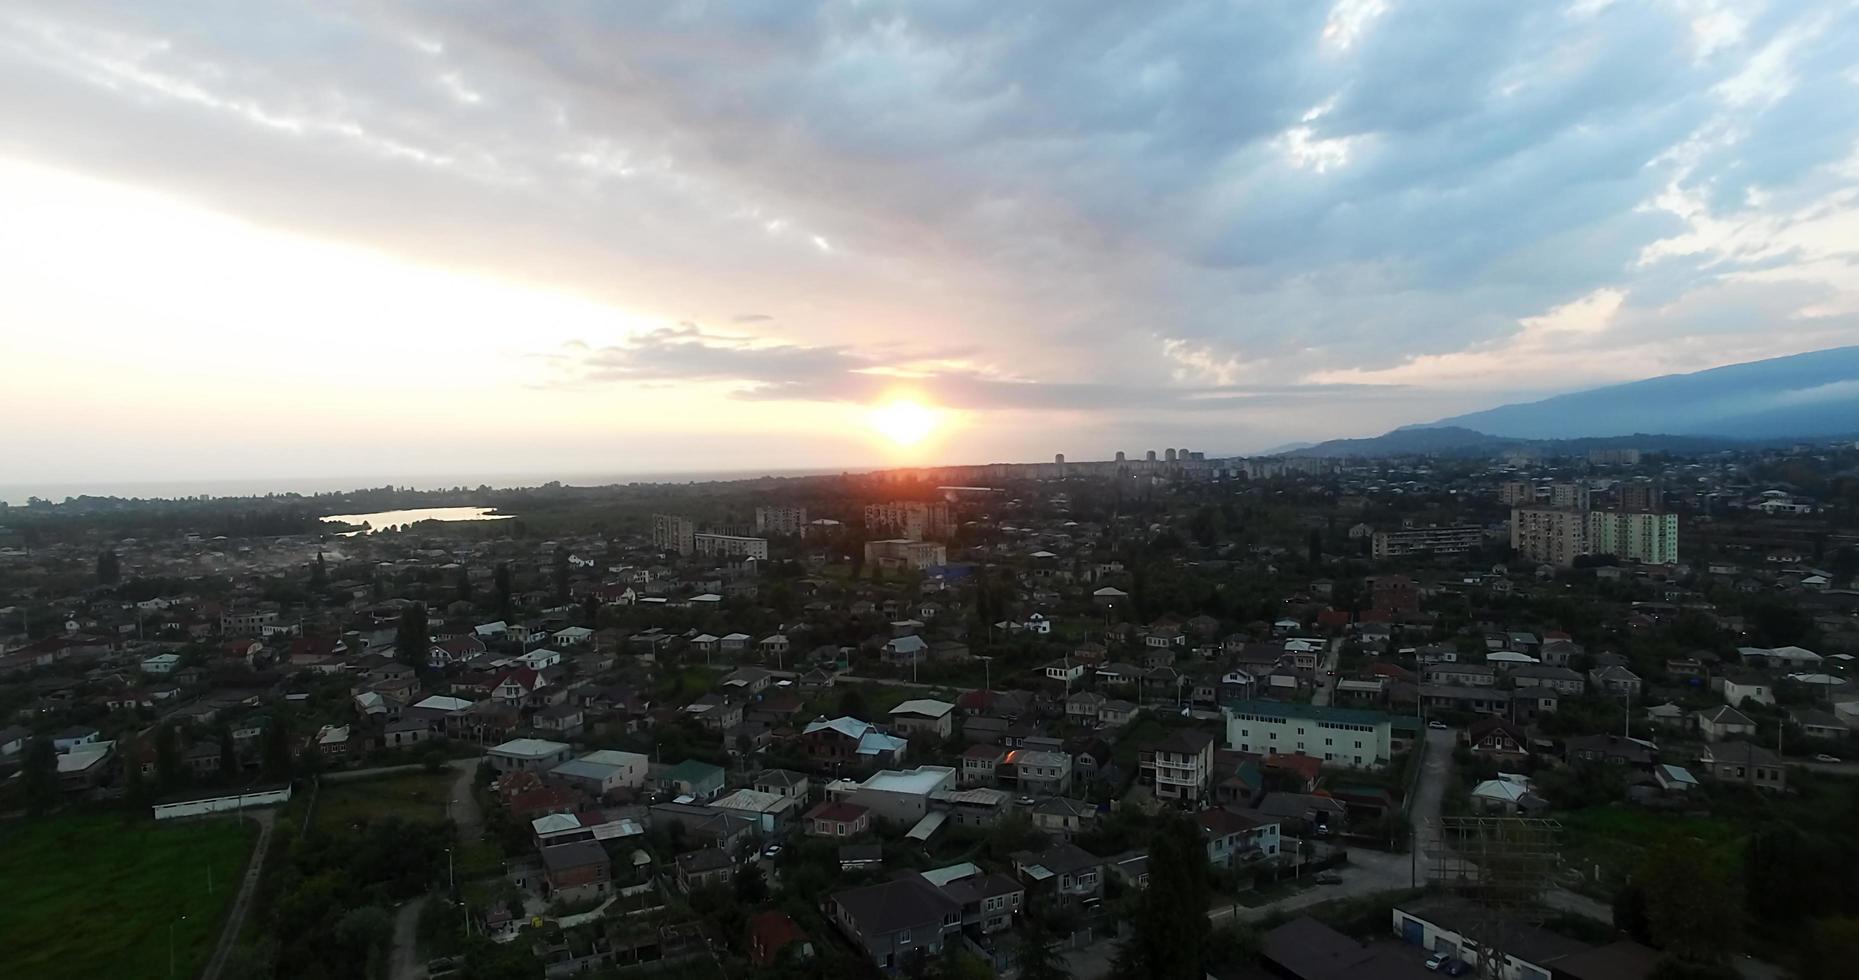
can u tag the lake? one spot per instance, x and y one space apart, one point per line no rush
395 518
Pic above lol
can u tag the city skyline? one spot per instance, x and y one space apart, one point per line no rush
389 241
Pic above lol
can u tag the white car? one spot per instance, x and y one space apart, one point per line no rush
1438 726
1824 757
1436 961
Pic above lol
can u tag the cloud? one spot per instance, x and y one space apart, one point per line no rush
1184 207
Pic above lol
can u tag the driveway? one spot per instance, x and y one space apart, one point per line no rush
242 903
404 962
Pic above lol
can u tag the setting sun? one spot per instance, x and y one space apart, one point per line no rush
902 421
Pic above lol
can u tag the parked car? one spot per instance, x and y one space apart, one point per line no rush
1438 726
772 851
1329 878
1824 757
1436 961
1455 967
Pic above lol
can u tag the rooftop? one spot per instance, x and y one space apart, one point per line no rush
530 748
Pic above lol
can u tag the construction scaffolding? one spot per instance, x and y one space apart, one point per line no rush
1500 866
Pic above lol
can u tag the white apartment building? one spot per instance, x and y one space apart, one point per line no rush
912 520
906 553
1347 737
1650 539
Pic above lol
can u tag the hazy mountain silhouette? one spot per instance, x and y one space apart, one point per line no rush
1799 396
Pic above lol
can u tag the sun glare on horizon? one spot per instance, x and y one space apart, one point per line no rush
903 421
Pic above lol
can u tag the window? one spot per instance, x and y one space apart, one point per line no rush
903 938
1329 741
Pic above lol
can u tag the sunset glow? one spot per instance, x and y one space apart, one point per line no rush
903 421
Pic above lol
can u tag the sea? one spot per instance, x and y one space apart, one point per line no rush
17 494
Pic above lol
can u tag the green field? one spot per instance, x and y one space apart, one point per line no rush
1614 839
419 796
88 895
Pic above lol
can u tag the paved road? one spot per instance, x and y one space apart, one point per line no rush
1326 682
404 962
242 903
1371 872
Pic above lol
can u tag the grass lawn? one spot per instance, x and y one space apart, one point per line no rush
1615 838
88 895
409 795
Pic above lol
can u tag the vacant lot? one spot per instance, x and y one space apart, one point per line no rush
1611 841
417 796
89 895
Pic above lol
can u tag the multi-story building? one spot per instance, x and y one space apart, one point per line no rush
1642 496
1645 537
673 533
1550 535
1573 496
914 520
1450 539
906 553
730 545
1517 493
780 520
1180 766
1350 737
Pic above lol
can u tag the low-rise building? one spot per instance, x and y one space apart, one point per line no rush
1351 737
528 755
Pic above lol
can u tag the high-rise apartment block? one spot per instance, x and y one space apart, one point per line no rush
780 520
1554 536
1570 495
730 545
673 533
1517 493
1648 538
1642 497
912 520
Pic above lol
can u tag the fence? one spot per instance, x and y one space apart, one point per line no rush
222 804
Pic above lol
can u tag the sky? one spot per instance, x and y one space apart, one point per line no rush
388 239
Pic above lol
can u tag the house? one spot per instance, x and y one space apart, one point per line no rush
769 811
837 818
161 665
900 796
1064 670
1736 689
1746 763
1180 765
1040 773
603 772
1495 738
925 717
516 687
572 636
1722 722
1461 675
576 871
980 763
782 782
771 934
708 867
716 712
1234 839
1116 713
1780 658
1674 779
697 780
746 681
989 902
1815 723
527 755
1063 817
1082 707
402 732
73 737
896 923
86 766
905 650
1509 795
562 720
1615 680
1637 753
838 742
1562 680
1064 870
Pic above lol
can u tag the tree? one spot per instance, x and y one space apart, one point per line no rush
109 567
501 582
852 703
1832 949
135 785
1691 905
39 776
276 753
1170 939
1037 960
561 576
413 638
319 573
462 585
751 887
167 757
228 752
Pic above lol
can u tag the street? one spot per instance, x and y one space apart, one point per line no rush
404 962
